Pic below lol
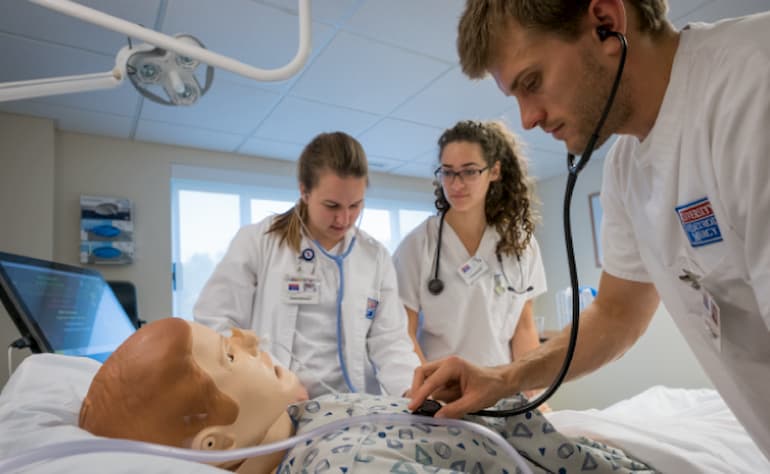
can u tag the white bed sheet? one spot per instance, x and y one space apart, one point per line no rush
675 430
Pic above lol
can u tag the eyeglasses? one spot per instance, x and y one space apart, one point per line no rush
467 175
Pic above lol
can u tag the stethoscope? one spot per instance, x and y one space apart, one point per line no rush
574 169
436 284
339 259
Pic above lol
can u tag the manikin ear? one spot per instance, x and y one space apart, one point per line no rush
213 438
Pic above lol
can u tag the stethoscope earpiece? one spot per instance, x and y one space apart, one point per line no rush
435 286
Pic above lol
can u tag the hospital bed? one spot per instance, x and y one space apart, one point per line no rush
674 430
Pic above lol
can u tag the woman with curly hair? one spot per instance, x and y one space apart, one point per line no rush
474 269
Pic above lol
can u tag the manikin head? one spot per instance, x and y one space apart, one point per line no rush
179 383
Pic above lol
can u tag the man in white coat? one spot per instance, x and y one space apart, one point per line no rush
685 194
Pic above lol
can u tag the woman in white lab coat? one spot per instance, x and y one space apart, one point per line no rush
320 292
474 269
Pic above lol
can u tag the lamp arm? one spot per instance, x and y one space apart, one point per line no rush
164 41
60 85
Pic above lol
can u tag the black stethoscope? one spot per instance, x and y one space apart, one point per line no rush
436 284
574 169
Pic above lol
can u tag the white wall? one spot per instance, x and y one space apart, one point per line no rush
661 356
44 172
26 203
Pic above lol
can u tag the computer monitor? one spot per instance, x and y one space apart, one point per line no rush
61 308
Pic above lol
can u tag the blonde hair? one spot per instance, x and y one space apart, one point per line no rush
337 152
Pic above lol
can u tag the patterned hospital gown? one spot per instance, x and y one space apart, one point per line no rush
420 447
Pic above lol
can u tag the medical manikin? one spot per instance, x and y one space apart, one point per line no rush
181 384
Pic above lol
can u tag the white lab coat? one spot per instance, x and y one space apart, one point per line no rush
694 197
470 320
247 287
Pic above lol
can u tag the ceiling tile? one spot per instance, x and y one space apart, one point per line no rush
429 157
182 135
452 98
227 107
73 120
255 34
298 121
328 11
398 139
33 21
271 149
384 71
403 23
382 164
24 59
366 75
416 169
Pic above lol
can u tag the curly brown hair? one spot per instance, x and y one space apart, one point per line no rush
483 21
509 200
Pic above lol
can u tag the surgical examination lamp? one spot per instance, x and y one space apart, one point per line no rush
167 62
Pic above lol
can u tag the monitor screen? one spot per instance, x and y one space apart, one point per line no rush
61 308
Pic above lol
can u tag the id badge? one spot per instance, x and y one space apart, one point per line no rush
712 319
301 290
471 270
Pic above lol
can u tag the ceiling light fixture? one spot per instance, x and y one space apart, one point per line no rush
165 61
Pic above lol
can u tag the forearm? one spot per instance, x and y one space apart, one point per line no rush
414 322
526 338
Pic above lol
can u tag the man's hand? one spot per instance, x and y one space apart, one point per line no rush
465 386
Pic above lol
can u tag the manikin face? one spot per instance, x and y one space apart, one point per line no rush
560 86
334 206
466 194
247 375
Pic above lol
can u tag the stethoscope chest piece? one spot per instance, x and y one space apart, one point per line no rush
435 286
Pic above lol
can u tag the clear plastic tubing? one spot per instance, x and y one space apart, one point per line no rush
98 445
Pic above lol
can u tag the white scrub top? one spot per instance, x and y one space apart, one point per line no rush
246 290
694 198
469 320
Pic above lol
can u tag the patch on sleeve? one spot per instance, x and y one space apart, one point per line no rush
371 307
699 222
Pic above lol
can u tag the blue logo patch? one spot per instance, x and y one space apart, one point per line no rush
699 222
371 307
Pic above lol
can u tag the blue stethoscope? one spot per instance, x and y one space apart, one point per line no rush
338 260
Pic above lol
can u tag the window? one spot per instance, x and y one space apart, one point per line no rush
206 214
